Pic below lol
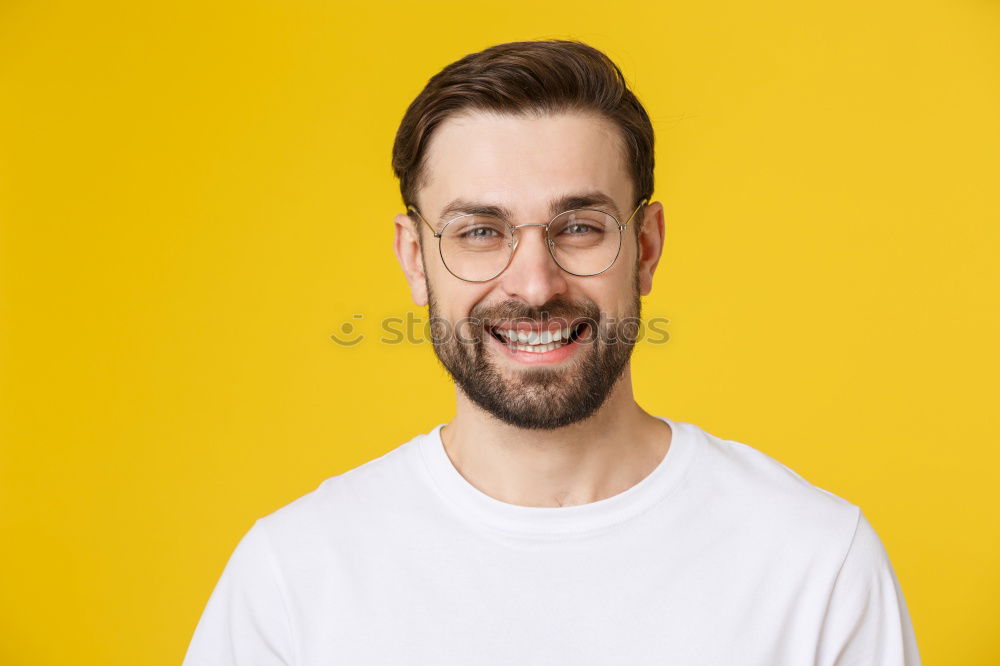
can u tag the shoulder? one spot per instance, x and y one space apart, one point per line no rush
755 489
347 502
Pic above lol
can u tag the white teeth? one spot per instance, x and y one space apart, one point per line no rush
535 341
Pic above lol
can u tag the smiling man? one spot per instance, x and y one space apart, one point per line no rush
552 520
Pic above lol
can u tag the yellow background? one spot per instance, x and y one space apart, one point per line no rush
195 195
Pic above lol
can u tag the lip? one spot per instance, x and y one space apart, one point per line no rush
553 356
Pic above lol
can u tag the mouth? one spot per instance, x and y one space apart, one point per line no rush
535 341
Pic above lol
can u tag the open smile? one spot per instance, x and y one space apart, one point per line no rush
533 345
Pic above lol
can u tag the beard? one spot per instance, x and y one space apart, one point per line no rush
538 397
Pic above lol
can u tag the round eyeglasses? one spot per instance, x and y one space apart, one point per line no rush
478 248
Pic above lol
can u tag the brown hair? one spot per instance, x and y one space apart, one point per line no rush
519 78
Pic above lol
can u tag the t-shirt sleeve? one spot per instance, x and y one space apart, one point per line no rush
867 622
245 622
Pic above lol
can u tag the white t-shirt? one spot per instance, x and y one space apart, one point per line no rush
720 556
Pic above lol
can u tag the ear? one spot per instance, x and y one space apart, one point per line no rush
407 247
650 245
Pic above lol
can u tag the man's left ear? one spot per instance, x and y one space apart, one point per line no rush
650 245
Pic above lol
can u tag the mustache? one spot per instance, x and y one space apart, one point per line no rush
556 310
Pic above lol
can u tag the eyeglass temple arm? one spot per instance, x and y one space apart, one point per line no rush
641 203
433 231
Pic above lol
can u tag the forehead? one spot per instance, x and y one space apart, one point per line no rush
523 162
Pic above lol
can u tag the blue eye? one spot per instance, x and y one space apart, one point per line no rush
578 229
480 233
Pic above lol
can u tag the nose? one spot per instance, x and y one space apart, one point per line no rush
533 275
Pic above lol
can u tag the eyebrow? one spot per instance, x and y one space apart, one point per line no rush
593 199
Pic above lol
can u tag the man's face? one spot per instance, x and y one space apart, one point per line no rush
526 165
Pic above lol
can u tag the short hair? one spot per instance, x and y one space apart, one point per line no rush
517 78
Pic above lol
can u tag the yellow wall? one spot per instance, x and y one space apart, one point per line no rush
195 195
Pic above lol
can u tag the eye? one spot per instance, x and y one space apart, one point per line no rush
577 229
480 233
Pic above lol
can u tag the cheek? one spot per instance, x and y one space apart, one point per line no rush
615 292
453 298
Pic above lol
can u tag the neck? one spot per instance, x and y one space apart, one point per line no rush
601 456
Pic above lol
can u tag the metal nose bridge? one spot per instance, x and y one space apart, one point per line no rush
548 241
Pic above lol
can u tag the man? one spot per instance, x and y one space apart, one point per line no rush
552 521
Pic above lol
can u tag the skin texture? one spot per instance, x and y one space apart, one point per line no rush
548 449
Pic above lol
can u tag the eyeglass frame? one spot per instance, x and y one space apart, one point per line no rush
549 243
